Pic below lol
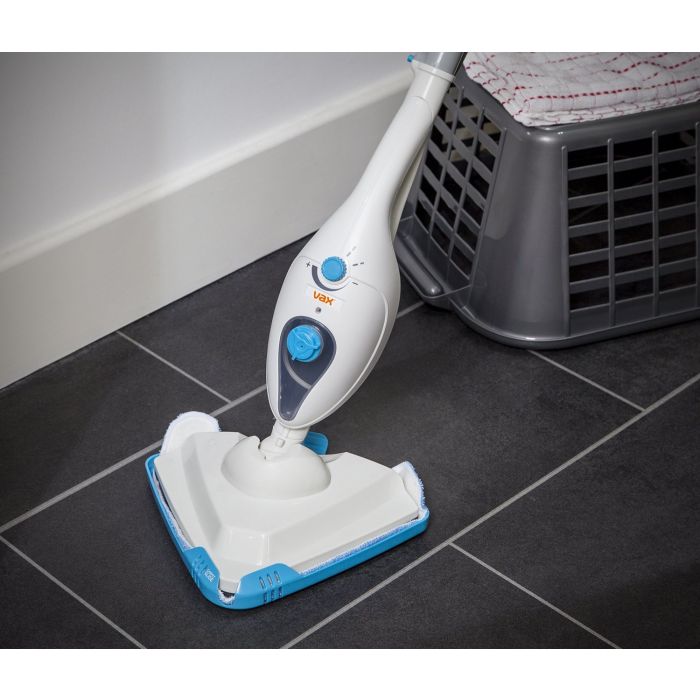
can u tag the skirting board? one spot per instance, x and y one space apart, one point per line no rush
67 289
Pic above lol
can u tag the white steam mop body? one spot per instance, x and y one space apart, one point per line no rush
250 504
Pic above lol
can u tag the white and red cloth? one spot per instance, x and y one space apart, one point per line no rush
541 89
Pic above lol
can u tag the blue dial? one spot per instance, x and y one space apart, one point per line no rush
304 343
334 268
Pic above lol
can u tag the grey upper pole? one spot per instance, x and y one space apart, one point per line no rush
447 62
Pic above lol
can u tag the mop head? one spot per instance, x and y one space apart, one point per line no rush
243 552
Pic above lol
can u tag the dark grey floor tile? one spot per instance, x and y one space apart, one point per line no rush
614 539
450 601
219 334
82 414
408 295
480 421
36 613
642 367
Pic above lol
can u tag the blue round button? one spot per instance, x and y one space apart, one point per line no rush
333 268
304 343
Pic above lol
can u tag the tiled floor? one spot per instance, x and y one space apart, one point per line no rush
564 487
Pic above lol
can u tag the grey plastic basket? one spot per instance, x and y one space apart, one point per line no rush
555 236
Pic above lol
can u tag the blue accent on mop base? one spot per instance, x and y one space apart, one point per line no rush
272 582
317 442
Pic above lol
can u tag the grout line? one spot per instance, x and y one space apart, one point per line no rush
585 379
235 402
535 596
408 309
575 458
78 487
364 596
238 401
172 366
496 510
72 593
122 463
127 460
110 470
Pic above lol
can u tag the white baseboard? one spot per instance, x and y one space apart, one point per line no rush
72 286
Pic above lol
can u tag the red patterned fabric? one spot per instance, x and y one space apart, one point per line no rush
541 89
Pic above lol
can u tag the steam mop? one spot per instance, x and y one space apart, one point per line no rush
258 520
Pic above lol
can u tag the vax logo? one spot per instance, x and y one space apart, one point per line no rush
329 303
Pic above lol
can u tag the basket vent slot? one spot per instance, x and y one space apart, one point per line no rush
462 262
488 127
433 164
636 261
451 203
633 149
446 212
672 198
634 234
626 259
677 280
632 290
441 237
674 141
589 271
633 177
479 184
588 214
678 224
428 190
685 251
467 110
586 244
423 215
485 156
587 156
588 185
583 300
439 139
466 233
634 205
451 185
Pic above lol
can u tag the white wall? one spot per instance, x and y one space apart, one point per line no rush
128 181
79 131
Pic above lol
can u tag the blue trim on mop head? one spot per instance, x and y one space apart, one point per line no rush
277 580
317 442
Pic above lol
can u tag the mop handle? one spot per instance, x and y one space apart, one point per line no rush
444 65
448 63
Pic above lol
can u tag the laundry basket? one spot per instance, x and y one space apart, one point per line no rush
559 235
